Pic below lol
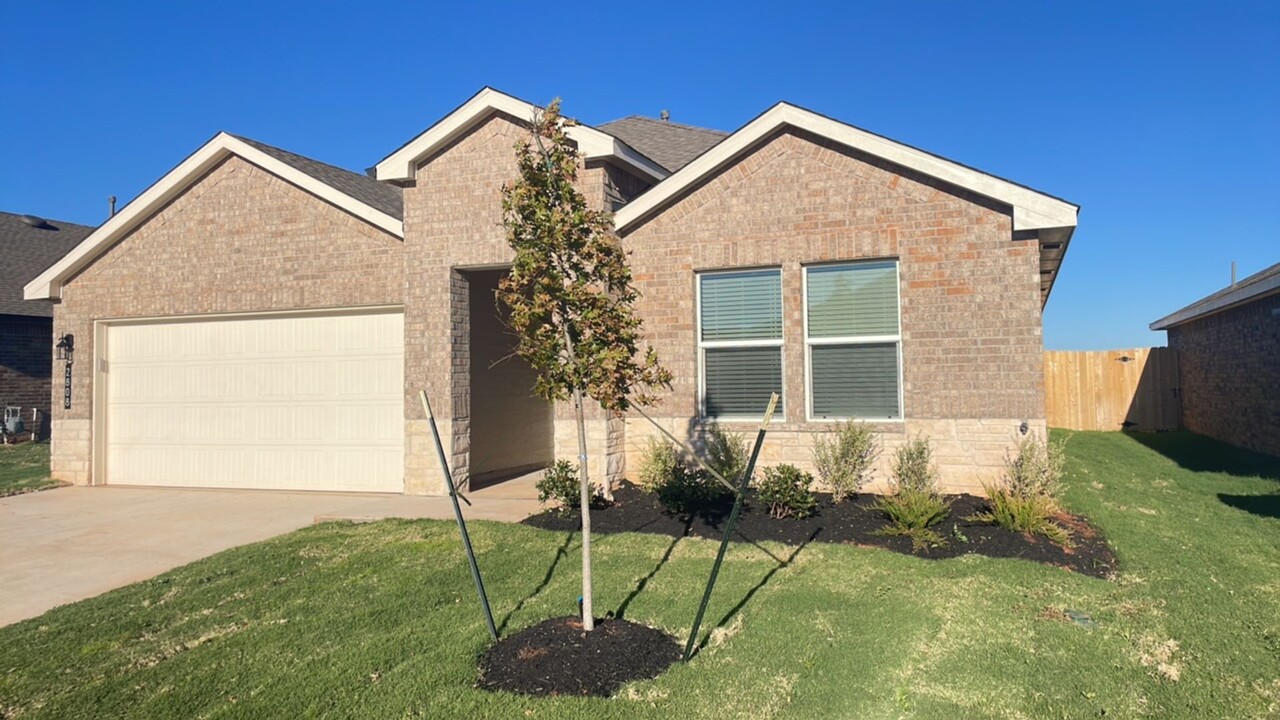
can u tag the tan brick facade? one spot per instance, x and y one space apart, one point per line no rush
970 300
242 240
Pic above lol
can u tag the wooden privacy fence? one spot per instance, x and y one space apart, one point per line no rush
1112 389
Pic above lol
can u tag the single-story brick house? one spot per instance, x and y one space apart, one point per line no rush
28 245
1228 349
260 319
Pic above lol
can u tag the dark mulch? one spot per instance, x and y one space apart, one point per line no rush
853 521
555 657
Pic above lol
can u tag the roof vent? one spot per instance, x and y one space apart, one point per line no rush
35 222
665 115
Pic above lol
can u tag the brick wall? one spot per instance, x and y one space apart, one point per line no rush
26 355
1229 368
240 240
453 223
970 299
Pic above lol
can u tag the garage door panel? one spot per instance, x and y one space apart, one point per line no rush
296 403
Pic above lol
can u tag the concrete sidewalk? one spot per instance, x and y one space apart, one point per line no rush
64 545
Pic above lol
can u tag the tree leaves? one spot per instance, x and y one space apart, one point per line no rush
570 281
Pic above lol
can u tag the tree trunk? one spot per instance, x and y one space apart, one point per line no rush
588 618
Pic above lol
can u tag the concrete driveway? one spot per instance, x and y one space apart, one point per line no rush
63 545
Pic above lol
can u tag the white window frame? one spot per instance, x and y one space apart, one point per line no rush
810 342
703 346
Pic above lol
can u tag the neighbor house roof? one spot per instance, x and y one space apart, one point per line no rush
670 144
28 245
402 164
1255 286
363 197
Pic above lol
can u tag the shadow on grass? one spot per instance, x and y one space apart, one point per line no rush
561 552
621 612
1262 505
1204 454
780 564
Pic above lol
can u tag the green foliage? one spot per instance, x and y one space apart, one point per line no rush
1035 470
658 463
727 452
559 483
1025 499
1032 514
785 489
844 458
915 505
569 289
913 468
679 488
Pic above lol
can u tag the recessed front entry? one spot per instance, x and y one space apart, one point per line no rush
280 402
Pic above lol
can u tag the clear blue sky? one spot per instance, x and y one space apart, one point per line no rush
1162 120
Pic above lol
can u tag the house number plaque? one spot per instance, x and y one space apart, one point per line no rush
66 386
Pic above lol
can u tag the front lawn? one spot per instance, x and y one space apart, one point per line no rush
380 620
24 468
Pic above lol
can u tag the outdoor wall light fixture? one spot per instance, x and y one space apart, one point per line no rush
1024 428
66 347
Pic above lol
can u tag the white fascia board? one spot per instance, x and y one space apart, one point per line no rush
592 143
48 285
1031 210
1240 295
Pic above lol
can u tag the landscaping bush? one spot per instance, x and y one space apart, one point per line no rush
1025 499
658 463
679 488
785 489
915 505
727 452
559 482
844 458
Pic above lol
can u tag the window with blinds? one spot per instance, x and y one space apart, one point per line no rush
853 340
740 341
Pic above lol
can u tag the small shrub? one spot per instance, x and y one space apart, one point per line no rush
1025 499
679 488
1032 515
785 489
560 483
690 490
658 464
844 459
727 452
913 467
1035 470
915 505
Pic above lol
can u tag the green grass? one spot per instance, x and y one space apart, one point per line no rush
380 620
24 468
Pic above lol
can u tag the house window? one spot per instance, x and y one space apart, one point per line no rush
853 341
739 341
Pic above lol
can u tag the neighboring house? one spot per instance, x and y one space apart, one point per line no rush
1228 348
28 245
263 320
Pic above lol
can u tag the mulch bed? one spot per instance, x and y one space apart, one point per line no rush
555 657
853 521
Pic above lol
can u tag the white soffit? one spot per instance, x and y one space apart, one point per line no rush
1031 210
175 182
592 143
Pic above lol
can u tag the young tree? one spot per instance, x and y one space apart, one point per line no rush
571 297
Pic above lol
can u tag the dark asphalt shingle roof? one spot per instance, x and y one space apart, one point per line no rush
27 251
380 196
669 144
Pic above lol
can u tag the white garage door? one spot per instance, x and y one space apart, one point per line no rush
310 402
